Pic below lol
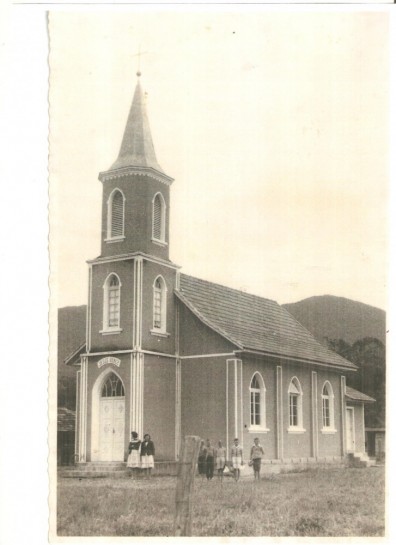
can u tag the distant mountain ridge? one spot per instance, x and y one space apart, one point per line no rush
331 317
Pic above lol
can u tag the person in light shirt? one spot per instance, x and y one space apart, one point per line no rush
256 453
236 458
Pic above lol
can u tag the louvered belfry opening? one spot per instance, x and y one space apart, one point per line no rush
117 215
157 218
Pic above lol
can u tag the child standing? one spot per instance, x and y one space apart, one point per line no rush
256 453
236 458
220 459
134 453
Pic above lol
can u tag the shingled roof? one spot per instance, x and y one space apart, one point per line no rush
355 395
254 323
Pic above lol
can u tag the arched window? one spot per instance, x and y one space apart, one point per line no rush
295 404
159 218
159 305
111 304
327 407
115 215
113 387
257 402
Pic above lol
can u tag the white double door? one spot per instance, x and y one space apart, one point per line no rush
112 429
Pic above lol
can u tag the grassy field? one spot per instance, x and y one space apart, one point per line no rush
331 502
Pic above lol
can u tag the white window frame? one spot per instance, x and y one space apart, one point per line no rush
109 237
330 399
162 240
108 329
295 385
254 428
163 291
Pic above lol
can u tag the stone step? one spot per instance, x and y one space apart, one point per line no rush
360 459
113 469
75 474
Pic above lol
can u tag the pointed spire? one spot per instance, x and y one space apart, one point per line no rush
137 149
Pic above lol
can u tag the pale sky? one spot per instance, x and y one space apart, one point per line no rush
273 124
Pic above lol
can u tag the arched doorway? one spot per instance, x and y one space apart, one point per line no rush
112 419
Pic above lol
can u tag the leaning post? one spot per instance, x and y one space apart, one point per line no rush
185 485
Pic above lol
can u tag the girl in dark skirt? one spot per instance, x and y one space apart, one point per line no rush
147 452
133 461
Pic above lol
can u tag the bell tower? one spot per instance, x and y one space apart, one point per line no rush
135 206
131 325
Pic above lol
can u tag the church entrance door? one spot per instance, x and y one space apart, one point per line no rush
112 420
350 430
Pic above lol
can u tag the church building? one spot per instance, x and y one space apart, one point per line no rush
172 355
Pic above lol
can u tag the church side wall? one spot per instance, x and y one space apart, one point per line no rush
203 398
267 439
294 445
330 444
196 338
159 404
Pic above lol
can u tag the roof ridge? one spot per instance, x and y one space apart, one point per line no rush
236 290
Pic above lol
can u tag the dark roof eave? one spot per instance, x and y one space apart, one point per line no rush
71 358
299 360
354 400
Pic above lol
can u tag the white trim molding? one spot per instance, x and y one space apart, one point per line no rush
137 392
234 408
135 171
279 412
137 309
314 409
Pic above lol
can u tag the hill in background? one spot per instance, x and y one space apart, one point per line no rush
330 317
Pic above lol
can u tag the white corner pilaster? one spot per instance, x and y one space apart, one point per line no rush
314 415
279 413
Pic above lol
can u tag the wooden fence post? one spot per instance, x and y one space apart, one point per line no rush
185 485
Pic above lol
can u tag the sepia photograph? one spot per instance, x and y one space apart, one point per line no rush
218 211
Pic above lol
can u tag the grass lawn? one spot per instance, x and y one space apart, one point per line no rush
331 502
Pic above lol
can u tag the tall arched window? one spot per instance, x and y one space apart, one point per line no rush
327 407
115 215
295 405
159 305
159 213
111 304
113 387
257 402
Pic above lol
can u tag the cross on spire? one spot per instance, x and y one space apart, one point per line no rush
138 55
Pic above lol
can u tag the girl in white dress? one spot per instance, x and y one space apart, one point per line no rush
133 461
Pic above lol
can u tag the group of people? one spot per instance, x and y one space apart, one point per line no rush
140 454
210 458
